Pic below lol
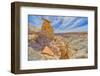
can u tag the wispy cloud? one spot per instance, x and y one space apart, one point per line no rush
61 23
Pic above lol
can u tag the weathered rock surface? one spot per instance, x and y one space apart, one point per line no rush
45 45
33 54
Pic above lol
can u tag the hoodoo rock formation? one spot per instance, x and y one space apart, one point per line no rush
48 36
47 29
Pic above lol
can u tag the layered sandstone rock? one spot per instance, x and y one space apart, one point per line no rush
47 29
45 45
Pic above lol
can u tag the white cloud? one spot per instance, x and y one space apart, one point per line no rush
79 29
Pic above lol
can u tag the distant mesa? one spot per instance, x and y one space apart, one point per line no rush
32 29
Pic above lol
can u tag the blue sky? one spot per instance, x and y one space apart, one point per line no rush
61 23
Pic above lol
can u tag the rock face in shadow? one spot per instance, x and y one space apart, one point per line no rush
33 55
